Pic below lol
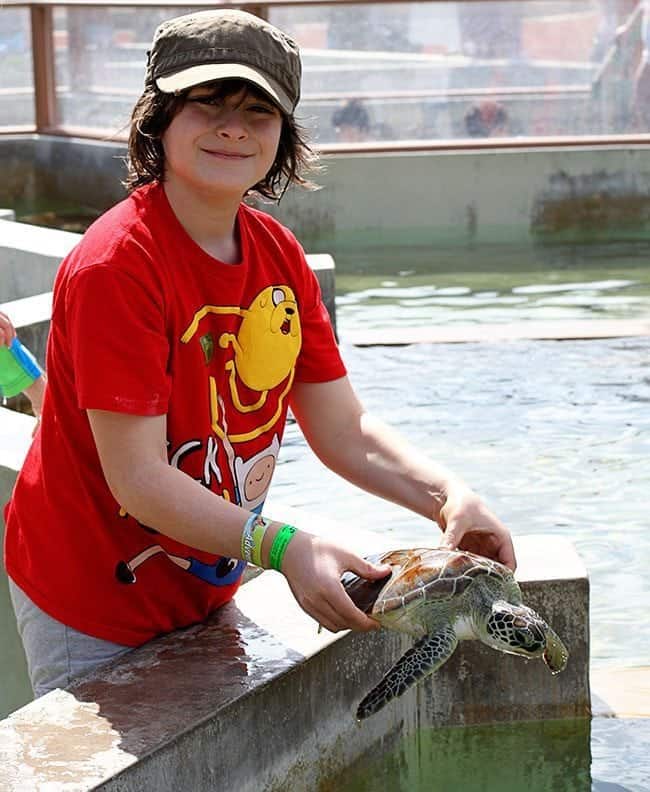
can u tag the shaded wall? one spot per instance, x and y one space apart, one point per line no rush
368 201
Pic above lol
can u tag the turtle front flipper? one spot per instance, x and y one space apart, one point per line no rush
422 659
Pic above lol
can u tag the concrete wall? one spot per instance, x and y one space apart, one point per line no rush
257 696
15 690
257 699
370 201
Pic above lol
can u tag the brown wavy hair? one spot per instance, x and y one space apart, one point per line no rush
153 113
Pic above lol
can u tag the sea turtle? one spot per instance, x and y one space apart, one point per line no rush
442 597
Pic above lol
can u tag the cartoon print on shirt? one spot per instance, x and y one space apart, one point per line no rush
224 572
251 478
266 346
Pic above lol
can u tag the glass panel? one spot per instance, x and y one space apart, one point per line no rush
101 61
394 72
471 69
16 76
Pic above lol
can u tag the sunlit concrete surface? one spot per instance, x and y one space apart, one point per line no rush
16 433
30 256
621 692
537 331
258 697
31 318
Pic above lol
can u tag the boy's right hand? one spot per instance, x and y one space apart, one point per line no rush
313 569
7 331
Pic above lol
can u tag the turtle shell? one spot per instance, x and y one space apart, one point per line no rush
420 574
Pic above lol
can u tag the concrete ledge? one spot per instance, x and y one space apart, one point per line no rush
325 270
621 692
31 318
257 697
16 433
556 330
30 256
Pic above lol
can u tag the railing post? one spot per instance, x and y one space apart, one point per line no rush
261 11
44 67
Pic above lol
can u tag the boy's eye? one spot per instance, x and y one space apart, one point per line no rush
262 108
207 99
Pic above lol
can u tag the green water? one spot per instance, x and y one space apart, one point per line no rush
398 288
536 757
547 756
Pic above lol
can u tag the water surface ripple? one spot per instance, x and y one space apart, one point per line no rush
554 435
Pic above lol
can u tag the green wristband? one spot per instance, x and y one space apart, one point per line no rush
259 529
279 546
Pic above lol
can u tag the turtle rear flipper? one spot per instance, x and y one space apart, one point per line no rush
422 659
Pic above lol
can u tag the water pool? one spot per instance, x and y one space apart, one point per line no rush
554 435
393 288
606 755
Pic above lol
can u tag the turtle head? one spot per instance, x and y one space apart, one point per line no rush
516 629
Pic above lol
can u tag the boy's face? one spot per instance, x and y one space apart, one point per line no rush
222 144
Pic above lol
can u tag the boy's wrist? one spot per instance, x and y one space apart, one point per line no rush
35 393
252 538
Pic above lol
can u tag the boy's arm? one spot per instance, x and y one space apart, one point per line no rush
368 453
132 451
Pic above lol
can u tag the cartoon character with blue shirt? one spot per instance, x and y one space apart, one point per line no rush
251 478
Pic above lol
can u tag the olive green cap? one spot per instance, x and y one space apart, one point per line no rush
221 45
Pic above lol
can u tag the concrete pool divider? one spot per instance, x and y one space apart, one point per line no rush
257 699
30 256
31 318
460 333
621 692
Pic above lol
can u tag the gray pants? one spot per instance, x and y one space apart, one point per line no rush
56 654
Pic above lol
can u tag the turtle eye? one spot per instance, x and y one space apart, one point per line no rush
515 632
532 637
527 640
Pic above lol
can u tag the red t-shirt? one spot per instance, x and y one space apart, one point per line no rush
146 322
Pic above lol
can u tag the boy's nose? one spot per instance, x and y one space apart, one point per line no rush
231 127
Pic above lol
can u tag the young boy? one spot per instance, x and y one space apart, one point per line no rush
184 325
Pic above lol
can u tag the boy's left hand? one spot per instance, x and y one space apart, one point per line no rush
468 524
7 331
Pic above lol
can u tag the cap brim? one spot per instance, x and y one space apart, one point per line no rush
207 72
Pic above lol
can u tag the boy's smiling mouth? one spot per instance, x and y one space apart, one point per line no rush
226 154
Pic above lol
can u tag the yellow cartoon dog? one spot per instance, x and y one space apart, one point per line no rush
268 340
